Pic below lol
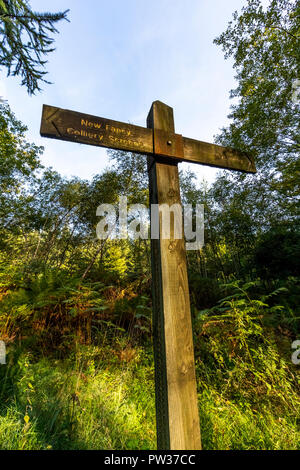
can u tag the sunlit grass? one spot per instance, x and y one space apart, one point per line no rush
79 404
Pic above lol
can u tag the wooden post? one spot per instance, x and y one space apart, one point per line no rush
176 396
177 413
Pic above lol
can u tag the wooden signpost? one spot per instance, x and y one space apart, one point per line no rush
177 414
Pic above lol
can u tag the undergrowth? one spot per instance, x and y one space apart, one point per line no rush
80 371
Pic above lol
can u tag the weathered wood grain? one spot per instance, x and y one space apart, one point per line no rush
72 126
204 153
176 397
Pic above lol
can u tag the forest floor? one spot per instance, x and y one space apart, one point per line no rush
63 389
103 398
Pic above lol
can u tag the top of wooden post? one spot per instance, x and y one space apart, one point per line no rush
161 117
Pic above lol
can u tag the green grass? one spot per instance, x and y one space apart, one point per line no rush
100 394
90 401
74 404
227 425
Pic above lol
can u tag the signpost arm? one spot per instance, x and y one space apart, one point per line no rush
176 396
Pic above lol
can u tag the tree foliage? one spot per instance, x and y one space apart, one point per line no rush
26 38
19 162
264 44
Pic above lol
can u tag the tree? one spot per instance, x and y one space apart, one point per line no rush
277 253
265 47
264 43
18 162
26 40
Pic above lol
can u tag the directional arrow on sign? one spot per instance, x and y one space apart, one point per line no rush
72 126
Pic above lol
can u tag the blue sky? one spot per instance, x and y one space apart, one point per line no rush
115 58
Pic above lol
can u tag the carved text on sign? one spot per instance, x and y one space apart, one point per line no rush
72 126
94 130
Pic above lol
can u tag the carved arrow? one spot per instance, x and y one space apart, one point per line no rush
72 126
